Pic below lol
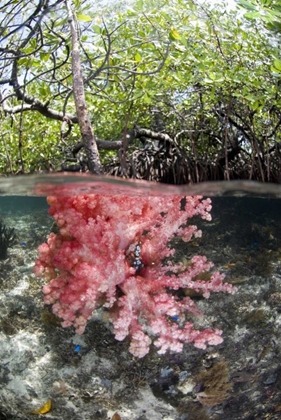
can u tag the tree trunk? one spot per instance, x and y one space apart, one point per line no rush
80 100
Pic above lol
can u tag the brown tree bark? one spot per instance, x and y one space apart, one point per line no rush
84 122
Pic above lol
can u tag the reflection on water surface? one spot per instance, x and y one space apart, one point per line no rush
69 184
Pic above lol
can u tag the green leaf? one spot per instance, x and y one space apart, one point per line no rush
35 62
146 98
138 5
84 18
274 70
60 22
23 61
97 29
246 4
137 57
43 91
44 56
174 35
252 15
277 64
208 81
184 41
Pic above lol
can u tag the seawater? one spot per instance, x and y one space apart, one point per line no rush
93 375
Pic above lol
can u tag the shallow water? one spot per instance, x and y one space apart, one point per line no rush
93 376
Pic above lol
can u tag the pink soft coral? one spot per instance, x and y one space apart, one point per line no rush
110 253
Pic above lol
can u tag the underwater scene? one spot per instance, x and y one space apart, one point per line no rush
131 300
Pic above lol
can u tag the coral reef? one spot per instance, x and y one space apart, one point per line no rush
110 252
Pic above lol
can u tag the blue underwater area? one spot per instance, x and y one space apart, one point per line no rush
94 375
13 211
21 204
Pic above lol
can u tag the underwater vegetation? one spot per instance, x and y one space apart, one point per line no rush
7 239
214 385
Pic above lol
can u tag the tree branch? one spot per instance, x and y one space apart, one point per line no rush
42 108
